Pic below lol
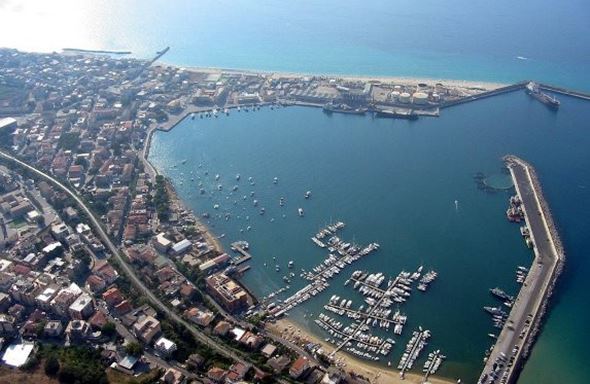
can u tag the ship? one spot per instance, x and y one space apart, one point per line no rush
389 113
501 294
300 212
343 108
532 89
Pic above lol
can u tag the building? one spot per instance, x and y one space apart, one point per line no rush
146 328
18 354
200 317
299 367
165 347
53 328
82 307
6 325
227 292
173 376
268 350
161 243
77 329
181 247
7 123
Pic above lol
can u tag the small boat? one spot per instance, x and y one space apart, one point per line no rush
217 176
238 177
275 180
307 194
300 212
290 265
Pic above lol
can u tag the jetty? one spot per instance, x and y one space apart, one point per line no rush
524 321
241 248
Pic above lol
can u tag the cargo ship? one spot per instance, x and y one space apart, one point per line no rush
533 90
388 113
343 108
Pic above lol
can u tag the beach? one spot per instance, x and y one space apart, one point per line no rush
401 80
288 329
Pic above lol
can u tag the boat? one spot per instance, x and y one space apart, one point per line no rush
343 108
275 180
307 194
217 176
282 201
300 212
391 114
501 294
238 177
290 265
532 89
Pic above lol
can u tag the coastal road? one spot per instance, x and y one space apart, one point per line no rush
505 360
199 336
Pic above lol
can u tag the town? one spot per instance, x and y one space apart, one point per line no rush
101 264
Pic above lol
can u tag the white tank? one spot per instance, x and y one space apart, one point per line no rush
404 97
394 95
420 98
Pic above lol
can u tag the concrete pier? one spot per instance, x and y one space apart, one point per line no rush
523 323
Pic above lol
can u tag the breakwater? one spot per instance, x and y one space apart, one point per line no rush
524 322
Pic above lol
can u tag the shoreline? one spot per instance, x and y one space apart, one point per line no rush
289 329
407 80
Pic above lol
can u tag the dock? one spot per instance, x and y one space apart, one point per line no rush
524 321
239 247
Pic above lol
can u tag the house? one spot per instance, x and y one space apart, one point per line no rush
53 328
195 361
146 328
161 243
82 307
278 363
173 376
268 350
222 328
216 374
200 317
112 296
299 367
77 330
165 347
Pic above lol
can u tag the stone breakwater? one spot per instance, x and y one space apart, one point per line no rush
560 251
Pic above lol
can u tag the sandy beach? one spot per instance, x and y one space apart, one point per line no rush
401 80
287 329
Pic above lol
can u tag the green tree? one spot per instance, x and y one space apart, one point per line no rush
134 348
51 365
109 329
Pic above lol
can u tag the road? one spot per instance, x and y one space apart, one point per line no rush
505 360
199 336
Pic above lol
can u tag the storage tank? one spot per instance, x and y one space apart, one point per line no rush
404 97
420 98
394 95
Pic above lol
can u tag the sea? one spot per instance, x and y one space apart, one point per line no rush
393 182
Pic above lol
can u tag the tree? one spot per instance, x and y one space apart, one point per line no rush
51 365
109 329
134 348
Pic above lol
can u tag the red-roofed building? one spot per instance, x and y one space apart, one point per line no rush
299 367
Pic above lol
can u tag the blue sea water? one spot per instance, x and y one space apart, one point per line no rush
395 182
499 41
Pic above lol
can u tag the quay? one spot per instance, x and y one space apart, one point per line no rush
498 91
518 335
564 91
240 247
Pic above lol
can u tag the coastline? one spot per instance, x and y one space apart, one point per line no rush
407 80
288 329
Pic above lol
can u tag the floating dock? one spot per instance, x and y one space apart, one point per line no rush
518 335
240 247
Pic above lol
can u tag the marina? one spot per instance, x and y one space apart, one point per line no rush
310 258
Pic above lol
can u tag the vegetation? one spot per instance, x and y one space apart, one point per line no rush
134 348
52 365
69 141
81 267
74 365
109 329
161 199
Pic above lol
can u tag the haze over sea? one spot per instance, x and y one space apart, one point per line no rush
392 182
500 41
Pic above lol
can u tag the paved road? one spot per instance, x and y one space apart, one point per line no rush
504 361
200 336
